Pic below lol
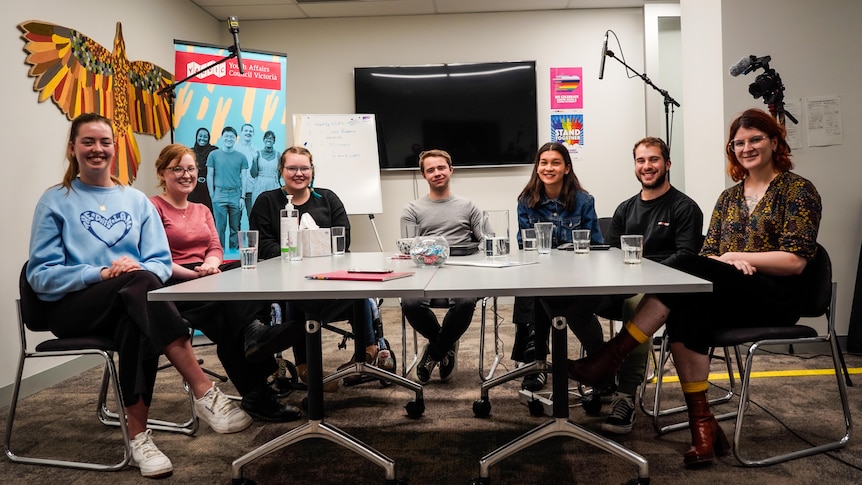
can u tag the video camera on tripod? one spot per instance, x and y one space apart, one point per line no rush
767 85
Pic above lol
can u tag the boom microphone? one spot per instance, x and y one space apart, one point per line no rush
233 26
748 64
604 54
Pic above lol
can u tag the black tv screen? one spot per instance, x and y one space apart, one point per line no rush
483 114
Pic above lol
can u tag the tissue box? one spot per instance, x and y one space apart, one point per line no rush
316 242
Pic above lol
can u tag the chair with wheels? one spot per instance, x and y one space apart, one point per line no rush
362 371
384 348
74 347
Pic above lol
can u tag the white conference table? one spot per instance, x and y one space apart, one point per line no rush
560 273
277 280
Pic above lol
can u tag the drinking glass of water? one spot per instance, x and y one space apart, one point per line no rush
544 236
633 248
528 238
339 239
495 230
248 249
581 240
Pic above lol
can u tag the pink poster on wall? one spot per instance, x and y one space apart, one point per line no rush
566 89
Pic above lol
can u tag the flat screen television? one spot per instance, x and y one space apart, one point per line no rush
483 114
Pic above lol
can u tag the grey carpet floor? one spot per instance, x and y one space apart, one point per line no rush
445 445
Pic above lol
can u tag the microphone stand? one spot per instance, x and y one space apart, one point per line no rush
669 102
169 91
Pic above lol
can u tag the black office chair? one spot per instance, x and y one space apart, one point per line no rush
819 301
28 318
383 344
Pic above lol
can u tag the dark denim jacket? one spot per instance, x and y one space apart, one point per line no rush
552 210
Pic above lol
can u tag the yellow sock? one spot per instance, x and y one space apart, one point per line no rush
636 333
693 387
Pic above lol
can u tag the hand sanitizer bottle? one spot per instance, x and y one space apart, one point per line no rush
289 232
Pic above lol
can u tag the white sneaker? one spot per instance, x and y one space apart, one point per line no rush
152 462
222 414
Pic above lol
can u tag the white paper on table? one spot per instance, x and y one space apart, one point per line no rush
489 264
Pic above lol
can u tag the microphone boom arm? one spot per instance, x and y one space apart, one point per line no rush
664 93
169 91
668 100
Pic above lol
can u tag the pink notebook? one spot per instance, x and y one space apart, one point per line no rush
359 275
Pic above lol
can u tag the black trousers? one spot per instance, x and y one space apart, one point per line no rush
118 308
441 337
580 317
737 301
297 312
224 323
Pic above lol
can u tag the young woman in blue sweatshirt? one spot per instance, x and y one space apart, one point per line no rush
96 248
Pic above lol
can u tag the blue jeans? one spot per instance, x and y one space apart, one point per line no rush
227 210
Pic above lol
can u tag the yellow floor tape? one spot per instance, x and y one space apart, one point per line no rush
775 373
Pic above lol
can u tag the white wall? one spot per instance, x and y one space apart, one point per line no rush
813 47
807 40
38 131
321 55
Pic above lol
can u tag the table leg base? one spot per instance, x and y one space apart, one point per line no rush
415 408
561 427
315 429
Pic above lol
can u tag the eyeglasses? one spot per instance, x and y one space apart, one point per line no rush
754 141
180 171
293 170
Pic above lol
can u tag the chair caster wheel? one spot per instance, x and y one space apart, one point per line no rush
415 408
536 408
481 481
242 481
397 481
482 408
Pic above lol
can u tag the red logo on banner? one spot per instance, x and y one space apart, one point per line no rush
256 73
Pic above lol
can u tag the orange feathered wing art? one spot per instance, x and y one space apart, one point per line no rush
81 76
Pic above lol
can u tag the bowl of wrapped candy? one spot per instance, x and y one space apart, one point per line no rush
429 251
404 244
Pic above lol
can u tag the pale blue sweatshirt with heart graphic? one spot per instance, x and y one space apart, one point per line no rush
72 238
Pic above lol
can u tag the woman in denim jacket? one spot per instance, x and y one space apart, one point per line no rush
554 194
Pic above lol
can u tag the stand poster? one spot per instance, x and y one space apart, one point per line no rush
229 120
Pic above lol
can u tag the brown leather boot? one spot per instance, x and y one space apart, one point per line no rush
707 437
598 370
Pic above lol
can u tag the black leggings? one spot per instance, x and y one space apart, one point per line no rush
224 323
118 308
737 301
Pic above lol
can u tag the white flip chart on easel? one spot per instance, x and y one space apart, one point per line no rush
344 151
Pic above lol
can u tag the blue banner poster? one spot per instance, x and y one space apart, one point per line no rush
232 121
568 129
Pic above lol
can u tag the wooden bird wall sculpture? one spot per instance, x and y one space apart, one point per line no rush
81 76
